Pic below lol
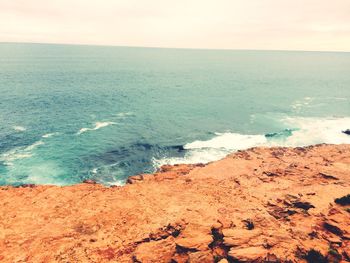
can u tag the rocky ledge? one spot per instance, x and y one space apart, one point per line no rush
259 205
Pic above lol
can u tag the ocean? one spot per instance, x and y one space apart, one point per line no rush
70 113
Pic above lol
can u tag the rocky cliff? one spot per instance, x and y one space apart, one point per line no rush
259 205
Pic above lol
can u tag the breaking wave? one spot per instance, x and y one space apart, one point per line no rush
297 132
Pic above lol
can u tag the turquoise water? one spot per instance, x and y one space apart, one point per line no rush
68 113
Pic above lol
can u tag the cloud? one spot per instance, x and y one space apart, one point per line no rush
254 24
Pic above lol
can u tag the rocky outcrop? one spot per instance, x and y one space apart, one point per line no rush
259 205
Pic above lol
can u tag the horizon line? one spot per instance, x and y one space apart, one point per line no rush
181 48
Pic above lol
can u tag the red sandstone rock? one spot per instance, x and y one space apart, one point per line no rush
199 242
248 254
155 251
259 205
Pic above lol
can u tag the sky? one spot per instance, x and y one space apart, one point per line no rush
213 24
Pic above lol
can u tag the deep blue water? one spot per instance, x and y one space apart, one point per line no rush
68 113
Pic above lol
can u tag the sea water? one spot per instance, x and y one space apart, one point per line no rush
70 113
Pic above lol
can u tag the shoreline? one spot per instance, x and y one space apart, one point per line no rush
111 166
276 203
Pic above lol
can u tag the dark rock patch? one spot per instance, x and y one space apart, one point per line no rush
314 256
345 200
328 176
333 228
249 224
303 205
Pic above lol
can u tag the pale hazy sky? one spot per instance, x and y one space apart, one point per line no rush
228 24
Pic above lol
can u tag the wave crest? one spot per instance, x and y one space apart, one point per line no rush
19 128
48 135
229 141
297 132
98 125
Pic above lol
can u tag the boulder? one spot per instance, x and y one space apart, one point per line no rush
236 237
198 243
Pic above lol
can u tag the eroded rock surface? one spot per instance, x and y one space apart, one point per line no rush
259 205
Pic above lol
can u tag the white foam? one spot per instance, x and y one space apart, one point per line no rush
98 125
311 102
317 130
19 153
19 128
214 149
48 135
116 183
9 157
341 98
229 141
306 131
34 145
83 130
193 156
108 177
47 172
303 103
124 114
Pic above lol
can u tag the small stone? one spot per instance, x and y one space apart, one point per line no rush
89 181
134 179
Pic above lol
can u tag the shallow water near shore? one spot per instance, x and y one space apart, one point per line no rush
69 113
